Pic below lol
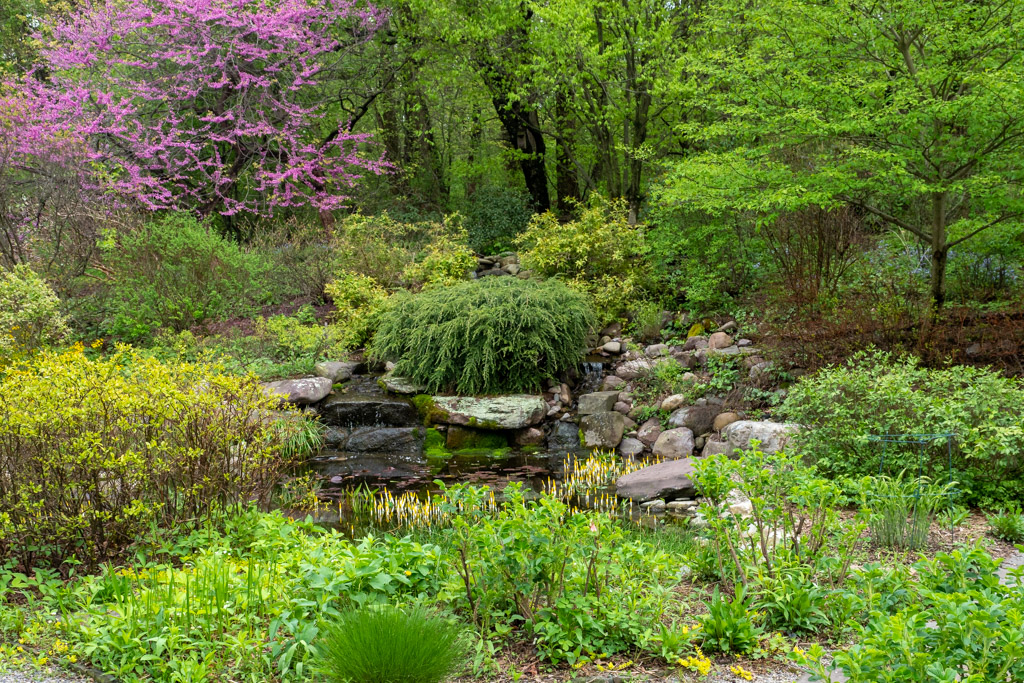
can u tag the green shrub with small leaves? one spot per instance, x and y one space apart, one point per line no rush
495 216
880 393
1008 524
494 335
30 316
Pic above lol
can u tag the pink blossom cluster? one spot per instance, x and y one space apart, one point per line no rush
213 105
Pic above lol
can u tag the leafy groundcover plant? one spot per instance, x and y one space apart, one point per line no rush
386 644
498 334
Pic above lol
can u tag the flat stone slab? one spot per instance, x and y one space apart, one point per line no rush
395 440
401 385
597 402
336 371
514 411
365 410
667 480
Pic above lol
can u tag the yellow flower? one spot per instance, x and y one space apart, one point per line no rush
408 573
741 672
72 658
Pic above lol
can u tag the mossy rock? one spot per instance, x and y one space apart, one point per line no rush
460 439
429 411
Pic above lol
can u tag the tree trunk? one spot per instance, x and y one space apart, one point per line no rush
567 187
939 251
523 131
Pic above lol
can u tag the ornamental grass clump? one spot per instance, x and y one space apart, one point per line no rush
385 644
489 336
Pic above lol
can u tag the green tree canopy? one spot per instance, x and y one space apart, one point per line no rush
912 111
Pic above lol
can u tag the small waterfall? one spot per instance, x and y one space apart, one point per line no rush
591 374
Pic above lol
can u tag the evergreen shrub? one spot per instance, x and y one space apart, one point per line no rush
494 335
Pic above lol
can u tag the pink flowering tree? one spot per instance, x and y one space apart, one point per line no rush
208 105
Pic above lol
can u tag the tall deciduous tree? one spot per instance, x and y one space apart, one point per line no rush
212 105
912 111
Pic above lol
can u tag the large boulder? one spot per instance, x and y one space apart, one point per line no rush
336 371
602 430
514 411
564 436
668 481
674 444
300 392
773 435
719 340
597 402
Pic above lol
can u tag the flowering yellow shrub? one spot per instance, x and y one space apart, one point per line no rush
95 451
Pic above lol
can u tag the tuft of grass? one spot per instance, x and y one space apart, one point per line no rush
903 509
388 645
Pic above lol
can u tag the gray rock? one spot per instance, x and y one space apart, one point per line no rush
674 444
336 371
564 395
622 407
602 430
492 272
335 437
673 402
300 392
630 447
597 402
531 436
698 419
400 385
631 369
612 383
361 410
514 411
649 432
397 440
727 327
512 268
761 369
773 435
742 343
653 507
668 481
564 436
695 343
656 350
719 340
613 347
613 330
712 447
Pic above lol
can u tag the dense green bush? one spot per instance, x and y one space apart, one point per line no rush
390 645
497 334
95 452
878 393
599 253
30 314
174 272
495 216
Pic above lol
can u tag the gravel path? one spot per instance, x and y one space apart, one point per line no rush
33 676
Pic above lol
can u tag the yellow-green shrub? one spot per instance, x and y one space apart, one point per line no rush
376 246
95 451
448 258
30 314
599 253
358 299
